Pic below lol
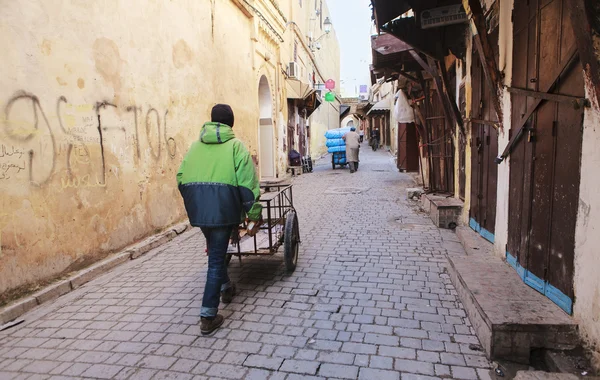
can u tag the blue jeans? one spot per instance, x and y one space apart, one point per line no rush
217 279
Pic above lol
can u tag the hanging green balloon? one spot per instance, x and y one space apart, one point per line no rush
329 97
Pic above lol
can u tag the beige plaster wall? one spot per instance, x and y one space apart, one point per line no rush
98 105
587 239
505 42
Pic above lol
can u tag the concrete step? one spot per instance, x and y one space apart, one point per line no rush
509 317
472 242
443 209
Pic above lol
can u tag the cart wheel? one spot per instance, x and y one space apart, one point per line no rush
292 241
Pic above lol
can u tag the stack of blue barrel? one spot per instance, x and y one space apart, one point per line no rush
336 145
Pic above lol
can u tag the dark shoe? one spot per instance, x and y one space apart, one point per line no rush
228 294
351 171
209 325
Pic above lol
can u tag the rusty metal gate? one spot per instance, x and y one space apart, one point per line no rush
545 163
440 146
484 150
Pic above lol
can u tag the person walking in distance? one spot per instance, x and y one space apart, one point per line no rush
375 136
361 134
352 140
218 183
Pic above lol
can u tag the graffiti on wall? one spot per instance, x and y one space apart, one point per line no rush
75 142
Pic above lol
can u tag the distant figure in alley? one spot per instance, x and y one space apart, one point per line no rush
218 183
352 140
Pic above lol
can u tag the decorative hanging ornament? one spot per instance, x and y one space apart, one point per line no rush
330 84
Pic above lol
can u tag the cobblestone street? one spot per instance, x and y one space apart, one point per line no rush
370 299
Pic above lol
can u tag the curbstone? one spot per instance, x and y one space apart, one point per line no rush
17 309
98 269
181 228
150 243
52 292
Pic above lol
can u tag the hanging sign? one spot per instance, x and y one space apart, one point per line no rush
329 97
330 84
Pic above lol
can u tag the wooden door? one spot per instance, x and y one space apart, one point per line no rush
545 164
440 146
484 150
408 148
462 147
386 121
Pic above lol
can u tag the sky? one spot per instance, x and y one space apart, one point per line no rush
352 22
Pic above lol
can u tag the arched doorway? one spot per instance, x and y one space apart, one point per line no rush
265 130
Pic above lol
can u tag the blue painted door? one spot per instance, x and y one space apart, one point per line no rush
545 163
484 149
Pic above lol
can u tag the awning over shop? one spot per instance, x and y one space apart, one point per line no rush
312 102
296 89
382 105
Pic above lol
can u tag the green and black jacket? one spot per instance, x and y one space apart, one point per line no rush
217 179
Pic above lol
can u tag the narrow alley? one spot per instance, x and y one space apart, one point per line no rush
370 299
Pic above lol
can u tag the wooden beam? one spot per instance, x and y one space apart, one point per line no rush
520 126
451 98
421 62
581 14
486 54
407 76
576 101
443 95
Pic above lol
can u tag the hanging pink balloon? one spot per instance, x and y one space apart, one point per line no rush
330 84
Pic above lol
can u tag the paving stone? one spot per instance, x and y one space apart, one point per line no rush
102 371
484 374
338 371
359 348
428 356
263 362
300 366
477 361
374 303
93 357
464 373
398 352
370 374
382 362
157 362
413 366
40 366
411 376
452 359
257 374
442 370
226 371
184 365
336 357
